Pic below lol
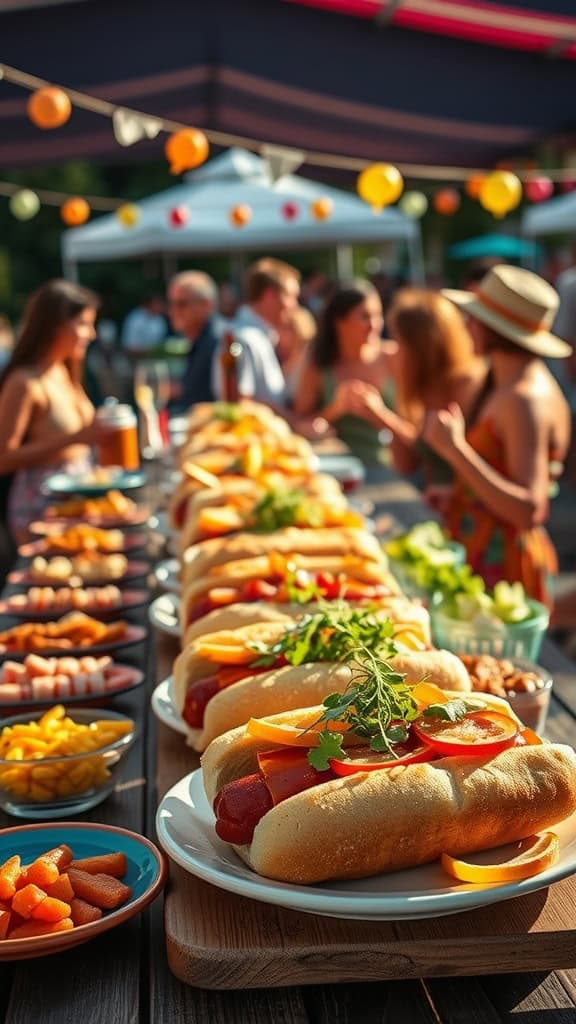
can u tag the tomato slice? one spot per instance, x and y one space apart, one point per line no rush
482 733
362 759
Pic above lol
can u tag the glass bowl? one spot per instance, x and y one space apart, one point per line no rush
531 705
56 787
502 640
405 571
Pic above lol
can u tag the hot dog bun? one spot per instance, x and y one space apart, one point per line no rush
291 687
398 608
374 822
198 502
201 558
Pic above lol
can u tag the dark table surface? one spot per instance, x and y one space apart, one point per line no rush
123 976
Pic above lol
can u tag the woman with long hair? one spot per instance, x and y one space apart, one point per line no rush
434 365
348 354
505 463
46 418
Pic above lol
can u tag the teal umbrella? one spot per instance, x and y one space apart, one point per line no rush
506 246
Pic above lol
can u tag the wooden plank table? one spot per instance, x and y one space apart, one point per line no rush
123 976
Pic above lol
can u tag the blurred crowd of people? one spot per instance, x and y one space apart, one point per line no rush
452 387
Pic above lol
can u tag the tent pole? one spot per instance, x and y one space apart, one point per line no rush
237 269
169 266
416 258
344 262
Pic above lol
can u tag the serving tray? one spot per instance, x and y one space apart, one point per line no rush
218 940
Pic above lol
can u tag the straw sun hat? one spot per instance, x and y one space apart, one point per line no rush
517 304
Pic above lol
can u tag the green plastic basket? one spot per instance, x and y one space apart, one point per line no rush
521 640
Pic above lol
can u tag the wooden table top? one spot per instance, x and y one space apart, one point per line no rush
123 977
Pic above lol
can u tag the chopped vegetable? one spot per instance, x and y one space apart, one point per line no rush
535 854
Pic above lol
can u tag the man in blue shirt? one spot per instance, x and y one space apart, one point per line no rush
192 298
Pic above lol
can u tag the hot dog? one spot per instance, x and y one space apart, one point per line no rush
211 513
281 579
414 617
209 554
223 678
291 822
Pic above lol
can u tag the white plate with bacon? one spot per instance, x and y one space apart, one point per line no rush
185 827
40 682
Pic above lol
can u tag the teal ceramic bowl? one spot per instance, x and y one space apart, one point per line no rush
146 876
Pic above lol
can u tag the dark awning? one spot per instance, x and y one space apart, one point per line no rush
283 73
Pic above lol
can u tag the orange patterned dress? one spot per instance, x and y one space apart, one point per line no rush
498 550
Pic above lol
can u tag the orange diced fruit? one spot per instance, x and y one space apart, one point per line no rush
22 879
9 874
100 890
82 912
107 864
33 929
51 910
61 889
27 899
4 923
42 872
61 856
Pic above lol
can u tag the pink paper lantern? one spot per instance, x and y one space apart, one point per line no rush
538 189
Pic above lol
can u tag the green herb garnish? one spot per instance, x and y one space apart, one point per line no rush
377 705
336 632
279 509
452 711
227 412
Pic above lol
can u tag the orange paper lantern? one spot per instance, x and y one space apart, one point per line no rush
321 209
473 185
447 201
75 211
240 215
186 150
49 107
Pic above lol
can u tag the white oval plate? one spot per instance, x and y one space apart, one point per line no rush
164 706
163 614
185 827
166 573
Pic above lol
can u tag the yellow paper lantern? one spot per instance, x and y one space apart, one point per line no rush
413 204
474 184
321 209
240 215
501 191
380 185
75 211
24 204
49 107
186 149
128 214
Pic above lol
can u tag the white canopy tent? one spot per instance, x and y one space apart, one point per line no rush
554 217
234 178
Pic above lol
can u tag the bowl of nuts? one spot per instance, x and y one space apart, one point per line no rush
524 684
53 765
